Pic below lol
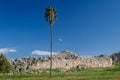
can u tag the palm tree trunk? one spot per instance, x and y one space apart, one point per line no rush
50 50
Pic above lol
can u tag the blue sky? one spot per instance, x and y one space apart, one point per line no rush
86 27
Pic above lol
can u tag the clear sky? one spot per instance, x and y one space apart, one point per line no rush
86 27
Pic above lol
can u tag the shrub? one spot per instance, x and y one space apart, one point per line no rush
5 66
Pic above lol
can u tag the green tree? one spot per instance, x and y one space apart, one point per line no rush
5 66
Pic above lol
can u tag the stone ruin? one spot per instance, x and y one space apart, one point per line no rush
64 60
67 60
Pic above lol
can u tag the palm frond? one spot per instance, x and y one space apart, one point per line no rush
51 14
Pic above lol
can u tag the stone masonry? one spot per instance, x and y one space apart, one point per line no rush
70 60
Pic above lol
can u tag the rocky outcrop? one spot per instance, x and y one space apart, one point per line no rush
65 55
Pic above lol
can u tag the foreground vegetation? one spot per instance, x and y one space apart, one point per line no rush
83 74
5 66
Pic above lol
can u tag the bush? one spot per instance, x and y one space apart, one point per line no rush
5 66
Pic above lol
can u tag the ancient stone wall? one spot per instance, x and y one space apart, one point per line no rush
64 60
73 63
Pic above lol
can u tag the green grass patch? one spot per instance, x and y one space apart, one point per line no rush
84 74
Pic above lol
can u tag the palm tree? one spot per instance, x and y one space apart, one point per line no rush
50 16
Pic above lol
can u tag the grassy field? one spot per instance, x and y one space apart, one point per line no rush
87 74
